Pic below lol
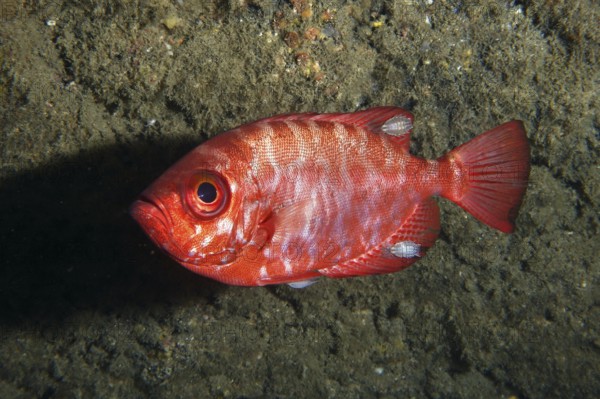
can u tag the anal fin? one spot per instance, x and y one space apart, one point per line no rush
404 247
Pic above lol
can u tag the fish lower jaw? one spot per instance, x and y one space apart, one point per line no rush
218 259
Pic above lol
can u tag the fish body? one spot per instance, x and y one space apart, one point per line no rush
290 198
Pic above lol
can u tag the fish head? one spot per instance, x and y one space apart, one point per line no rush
201 211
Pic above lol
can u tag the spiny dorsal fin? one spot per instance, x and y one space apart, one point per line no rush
393 121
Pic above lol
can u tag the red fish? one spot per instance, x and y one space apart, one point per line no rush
290 198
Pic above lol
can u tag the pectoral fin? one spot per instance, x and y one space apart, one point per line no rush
286 221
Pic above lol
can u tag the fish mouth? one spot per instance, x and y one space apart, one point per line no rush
151 216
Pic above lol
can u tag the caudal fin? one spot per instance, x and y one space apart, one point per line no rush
493 170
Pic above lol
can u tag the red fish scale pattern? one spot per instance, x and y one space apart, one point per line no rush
350 196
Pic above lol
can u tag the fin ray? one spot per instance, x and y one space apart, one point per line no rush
495 166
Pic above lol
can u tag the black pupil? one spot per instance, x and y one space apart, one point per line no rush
207 193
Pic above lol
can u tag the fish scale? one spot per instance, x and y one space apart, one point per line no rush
348 204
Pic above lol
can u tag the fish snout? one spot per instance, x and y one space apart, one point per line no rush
151 218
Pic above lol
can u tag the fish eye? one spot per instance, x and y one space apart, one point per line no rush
206 194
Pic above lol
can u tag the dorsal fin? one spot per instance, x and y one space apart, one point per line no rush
393 121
